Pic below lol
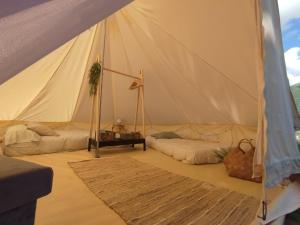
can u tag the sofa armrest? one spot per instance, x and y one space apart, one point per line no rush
22 182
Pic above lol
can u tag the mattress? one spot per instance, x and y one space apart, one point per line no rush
188 151
68 140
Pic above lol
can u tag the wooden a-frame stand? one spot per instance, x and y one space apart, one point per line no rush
95 141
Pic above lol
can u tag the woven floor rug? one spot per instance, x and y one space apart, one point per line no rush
145 195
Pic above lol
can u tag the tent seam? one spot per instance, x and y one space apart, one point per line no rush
202 59
170 95
29 105
84 75
127 59
176 103
127 62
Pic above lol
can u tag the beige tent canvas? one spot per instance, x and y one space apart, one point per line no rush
205 62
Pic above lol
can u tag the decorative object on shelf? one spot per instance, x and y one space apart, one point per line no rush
117 135
94 77
119 127
107 135
132 135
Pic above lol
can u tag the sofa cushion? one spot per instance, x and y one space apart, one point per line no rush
22 182
23 215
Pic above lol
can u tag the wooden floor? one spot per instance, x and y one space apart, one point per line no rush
71 203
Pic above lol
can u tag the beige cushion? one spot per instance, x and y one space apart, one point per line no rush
41 129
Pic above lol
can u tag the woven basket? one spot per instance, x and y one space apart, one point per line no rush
239 162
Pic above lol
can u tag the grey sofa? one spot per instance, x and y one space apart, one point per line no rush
21 184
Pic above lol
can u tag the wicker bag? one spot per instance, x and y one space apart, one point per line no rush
239 162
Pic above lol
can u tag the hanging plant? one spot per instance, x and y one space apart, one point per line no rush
95 73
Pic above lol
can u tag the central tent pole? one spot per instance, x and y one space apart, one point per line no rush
92 116
143 101
137 109
97 153
92 123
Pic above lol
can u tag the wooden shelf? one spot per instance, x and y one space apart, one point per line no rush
114 142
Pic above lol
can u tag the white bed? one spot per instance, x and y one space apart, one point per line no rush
189 151
68 140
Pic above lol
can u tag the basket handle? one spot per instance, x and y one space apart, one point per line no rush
246 141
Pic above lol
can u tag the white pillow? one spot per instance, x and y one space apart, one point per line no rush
15 128
20 134
214 138
188 133
41 129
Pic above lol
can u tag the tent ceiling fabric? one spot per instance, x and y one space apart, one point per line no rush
14 6
197 69
18 92
57 100
35 28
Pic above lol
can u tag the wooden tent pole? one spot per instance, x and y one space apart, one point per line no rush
92 116
137 109
93 109
121 73
98 125
97 118
143 101
97 106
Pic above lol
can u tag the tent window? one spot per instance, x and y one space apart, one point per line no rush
290 26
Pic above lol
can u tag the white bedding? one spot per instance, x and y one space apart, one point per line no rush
18 134
188 151
68 140
75 139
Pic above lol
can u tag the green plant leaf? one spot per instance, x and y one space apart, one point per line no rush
94 76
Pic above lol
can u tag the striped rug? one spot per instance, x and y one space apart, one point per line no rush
145 195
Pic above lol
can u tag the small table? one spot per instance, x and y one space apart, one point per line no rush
115 142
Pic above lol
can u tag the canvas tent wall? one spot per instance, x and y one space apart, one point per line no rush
203 63
212 64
